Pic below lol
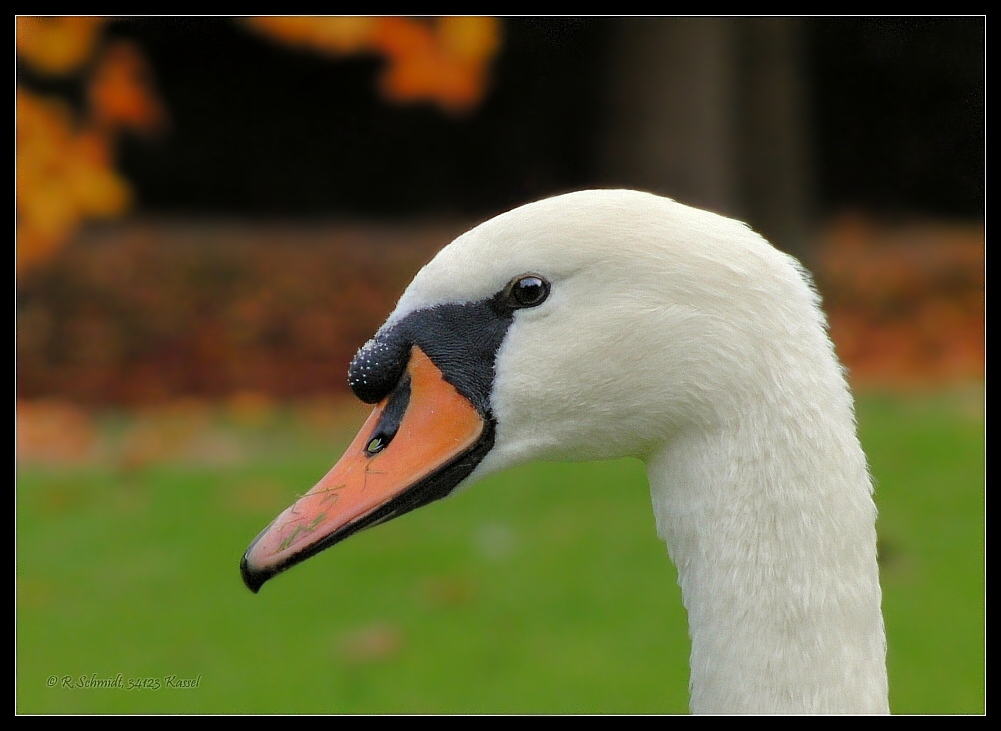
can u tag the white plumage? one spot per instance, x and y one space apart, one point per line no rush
683 338
604 324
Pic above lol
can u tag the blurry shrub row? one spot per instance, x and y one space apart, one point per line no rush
905 301
141 314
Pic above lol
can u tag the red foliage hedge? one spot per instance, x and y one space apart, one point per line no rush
143 313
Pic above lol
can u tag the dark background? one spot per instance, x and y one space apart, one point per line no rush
288 202
894 117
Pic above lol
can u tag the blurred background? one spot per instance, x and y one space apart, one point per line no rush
213 214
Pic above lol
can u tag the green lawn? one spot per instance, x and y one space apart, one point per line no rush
543 590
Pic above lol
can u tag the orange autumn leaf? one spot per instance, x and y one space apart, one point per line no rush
441 60
120 92
64 161
431 64
56 46
63 174
470 38
331 36
445 62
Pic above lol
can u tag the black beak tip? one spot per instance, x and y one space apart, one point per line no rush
254 580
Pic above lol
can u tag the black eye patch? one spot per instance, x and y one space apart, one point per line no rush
461 339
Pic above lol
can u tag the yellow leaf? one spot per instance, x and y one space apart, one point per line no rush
56 46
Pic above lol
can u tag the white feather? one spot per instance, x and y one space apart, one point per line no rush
685 339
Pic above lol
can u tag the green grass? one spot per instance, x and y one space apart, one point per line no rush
927 456
543 590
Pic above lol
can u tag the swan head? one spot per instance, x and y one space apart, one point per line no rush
615 323
591 325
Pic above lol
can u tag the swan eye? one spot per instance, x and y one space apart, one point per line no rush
529 291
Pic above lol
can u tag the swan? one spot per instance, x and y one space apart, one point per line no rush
609 323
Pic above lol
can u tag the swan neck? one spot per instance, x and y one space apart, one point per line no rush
775 546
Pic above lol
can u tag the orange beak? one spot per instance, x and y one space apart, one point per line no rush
416 446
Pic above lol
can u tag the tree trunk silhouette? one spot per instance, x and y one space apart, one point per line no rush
712 112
